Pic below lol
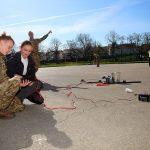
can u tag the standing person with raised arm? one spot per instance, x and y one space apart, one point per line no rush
35 43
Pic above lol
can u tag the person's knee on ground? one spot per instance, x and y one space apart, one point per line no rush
36 98
27 91
33 93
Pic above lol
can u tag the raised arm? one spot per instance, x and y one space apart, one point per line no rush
44 37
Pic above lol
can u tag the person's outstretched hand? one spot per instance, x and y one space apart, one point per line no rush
25 83
49 32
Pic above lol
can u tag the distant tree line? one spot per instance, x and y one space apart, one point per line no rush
84 47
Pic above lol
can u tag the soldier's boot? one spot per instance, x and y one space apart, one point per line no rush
4 114
16 105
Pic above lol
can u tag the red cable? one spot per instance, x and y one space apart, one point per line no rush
69 94
65 108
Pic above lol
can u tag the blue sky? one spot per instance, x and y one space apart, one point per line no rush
67 18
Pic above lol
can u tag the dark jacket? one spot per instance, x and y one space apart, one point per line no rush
15 66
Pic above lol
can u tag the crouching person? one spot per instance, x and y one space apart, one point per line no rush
9 103
21 64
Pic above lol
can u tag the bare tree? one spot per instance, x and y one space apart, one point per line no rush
137 38
71 44
130 39
122 39
146 38
85 43
55 45
73 48
112 37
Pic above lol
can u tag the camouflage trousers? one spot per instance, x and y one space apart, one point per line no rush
12 105
36 60
8 100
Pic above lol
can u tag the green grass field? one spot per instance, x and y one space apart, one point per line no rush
87 63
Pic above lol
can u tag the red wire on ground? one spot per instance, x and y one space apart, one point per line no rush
68 95
65 108
69 87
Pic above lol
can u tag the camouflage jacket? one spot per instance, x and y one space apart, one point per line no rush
7 85
35 53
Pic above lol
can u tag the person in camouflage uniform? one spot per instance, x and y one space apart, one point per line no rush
9 104
35 43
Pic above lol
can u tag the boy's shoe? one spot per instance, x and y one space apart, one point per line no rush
4 114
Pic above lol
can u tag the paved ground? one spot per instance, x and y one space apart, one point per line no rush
105 118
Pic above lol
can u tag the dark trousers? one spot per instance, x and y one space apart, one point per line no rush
149 61
32 93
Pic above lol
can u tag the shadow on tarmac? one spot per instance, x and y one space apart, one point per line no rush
47 86
34 125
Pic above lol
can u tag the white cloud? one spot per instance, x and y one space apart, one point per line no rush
54 17
90 20
88 23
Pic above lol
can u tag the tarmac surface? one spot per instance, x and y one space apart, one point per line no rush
83 116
